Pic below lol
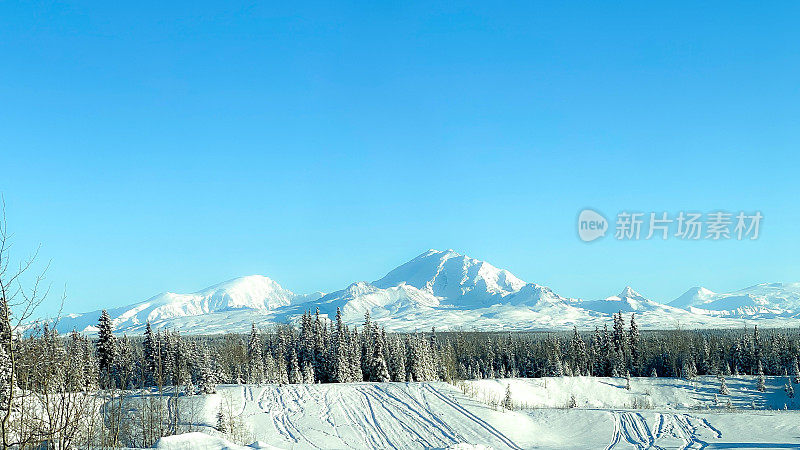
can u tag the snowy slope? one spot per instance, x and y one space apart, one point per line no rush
762 301
446 290
674 413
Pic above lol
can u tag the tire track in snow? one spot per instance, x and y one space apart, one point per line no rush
637 431
684 422
280 415
631 433
660 427
708 425
374 423
644 429
244 401
616 435
633 428
687 433
397 406
492 430
353 422
449 434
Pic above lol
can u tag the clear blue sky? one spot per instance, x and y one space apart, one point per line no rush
169 146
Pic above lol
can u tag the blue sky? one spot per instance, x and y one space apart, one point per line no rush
155 147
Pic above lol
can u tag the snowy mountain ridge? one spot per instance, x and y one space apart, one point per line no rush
762 301
442 289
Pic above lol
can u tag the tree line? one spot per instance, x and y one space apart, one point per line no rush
318 350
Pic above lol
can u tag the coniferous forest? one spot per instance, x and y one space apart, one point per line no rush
323 351
67 374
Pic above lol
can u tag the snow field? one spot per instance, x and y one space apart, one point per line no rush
679 414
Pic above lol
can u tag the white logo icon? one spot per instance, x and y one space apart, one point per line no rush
591 225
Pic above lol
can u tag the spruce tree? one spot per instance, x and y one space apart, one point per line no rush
149 355
270 370
255 357
320 362
208 381
106 348
578 353
397 360
379 370
308 373
620 341
723 387
341 351
760 385
295 375
507 400
355 357
222 422
634 337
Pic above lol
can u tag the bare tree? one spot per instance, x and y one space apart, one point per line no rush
23 301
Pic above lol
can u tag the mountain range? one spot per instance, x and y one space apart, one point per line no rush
446 290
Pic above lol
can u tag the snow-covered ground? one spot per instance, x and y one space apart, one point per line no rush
654 413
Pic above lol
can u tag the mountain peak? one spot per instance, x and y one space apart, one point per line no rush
442 254
693 297
453 276
628 292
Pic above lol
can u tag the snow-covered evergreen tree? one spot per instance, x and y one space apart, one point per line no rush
723 387
573 403
271 374
320 362
578 353
397 360
688 369
634 339
222 422
621 340
760 384
340 372
308 373
255 357
149 355
508 402
355 357
106 347
554 366
208 382
295 375
379 370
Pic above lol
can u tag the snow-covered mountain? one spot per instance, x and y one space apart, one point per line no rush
257 294
442 289
458 279
762 301
650 312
